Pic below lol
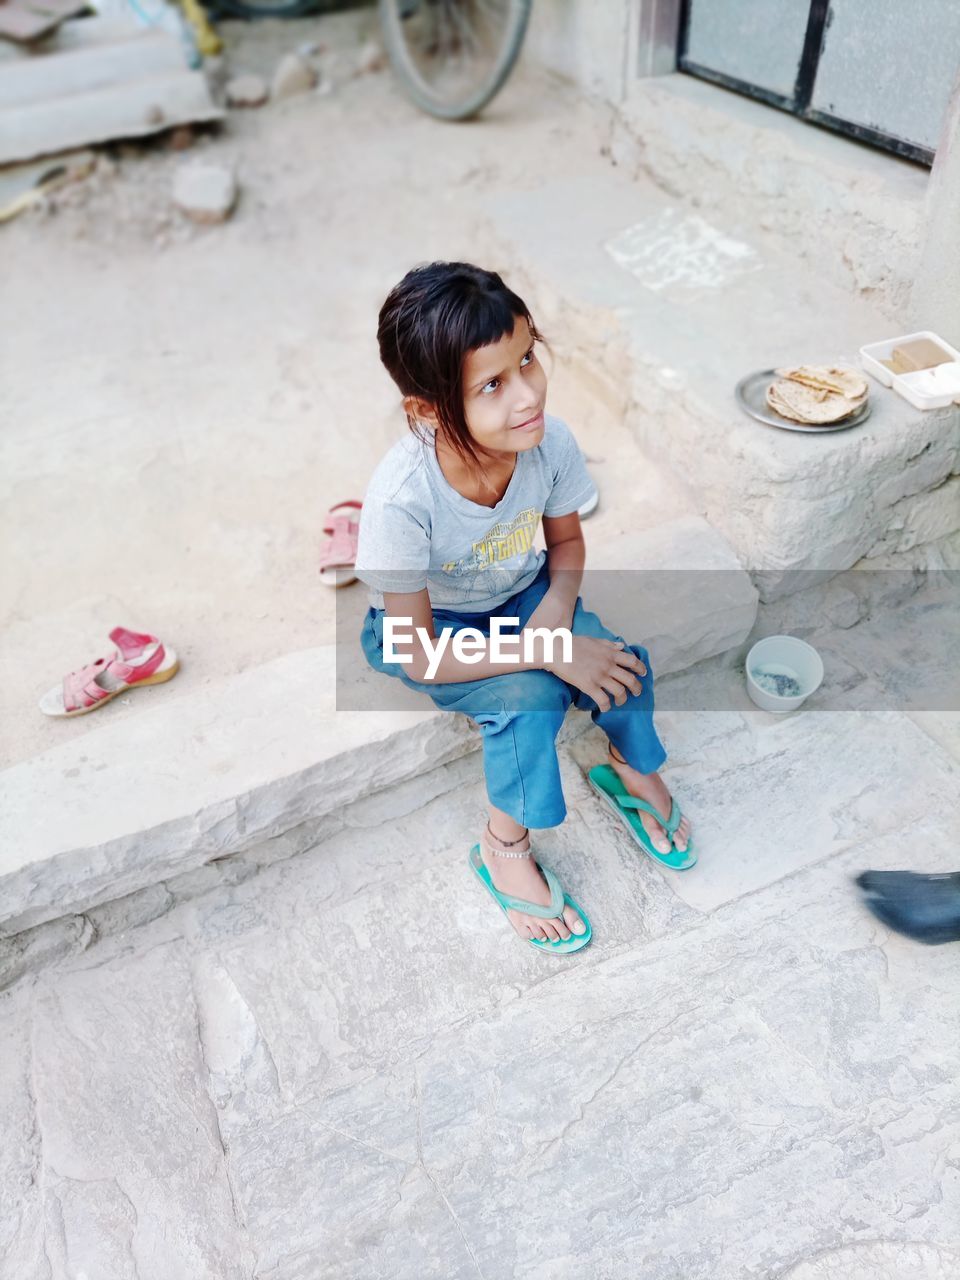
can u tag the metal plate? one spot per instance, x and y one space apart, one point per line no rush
751 395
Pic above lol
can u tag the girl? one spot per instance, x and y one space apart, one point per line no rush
446 542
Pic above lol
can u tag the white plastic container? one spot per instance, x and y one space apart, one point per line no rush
909 385
788 656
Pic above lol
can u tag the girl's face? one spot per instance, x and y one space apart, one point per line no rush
504 393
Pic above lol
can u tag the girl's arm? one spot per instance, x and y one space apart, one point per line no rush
598 667
416 606
566 556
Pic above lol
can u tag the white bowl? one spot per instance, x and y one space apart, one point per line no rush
784 655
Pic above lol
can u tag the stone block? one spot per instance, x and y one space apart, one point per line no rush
205 192
294 75
247 91
921 519
128 912
681 332
371 58
922 558
135 1182
788 503
196 778
678 589
44 944
935 463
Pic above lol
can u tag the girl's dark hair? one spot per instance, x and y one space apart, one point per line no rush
428 324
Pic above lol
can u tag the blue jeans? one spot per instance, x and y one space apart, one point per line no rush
520 713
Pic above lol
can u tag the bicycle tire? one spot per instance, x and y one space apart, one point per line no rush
391 20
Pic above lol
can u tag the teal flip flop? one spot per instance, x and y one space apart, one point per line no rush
557 899
607 783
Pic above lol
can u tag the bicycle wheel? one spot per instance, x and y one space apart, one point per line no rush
453 55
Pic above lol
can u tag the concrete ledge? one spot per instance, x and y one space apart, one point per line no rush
672 311
126 805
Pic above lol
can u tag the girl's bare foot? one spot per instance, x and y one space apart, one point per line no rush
521 878
652 788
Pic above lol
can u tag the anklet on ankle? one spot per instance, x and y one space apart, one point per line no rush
502 853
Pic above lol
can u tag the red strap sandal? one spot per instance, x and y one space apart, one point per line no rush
339 553
139 658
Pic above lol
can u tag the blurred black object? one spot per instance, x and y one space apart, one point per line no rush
923 907
276 8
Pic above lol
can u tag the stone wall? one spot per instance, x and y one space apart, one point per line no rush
585 42
856 213
859 210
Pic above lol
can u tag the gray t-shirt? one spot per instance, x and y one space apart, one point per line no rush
417 531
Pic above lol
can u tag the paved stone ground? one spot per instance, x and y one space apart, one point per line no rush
344 1064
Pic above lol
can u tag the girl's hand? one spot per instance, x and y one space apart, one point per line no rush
600 668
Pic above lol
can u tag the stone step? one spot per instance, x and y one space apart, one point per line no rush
671 310
326 1048
197 778
279 747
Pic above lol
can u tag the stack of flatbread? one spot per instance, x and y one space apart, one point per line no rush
816 394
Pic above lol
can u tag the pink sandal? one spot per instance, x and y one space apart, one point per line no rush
339 553
139 659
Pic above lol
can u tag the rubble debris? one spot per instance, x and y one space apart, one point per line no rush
247 91
38 181
293 75
205 192
181 138
371 57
